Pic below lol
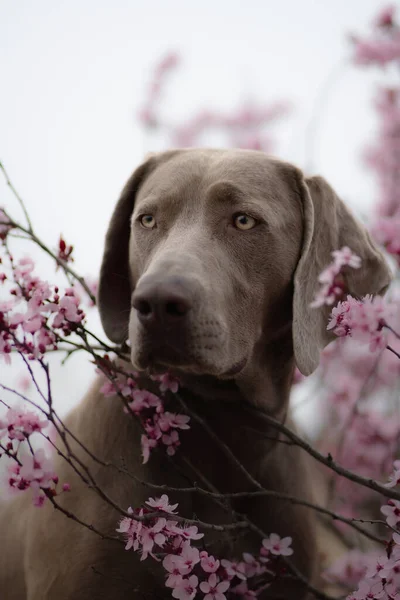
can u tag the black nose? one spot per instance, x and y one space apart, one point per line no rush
162 301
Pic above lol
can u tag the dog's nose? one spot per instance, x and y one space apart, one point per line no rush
162 302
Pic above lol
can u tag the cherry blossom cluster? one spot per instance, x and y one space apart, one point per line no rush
374 574
148 114
383 47
246 127
364 320
35 471
36 315
27 469
160 426
190 572
19 424
384 158
382 578
331 278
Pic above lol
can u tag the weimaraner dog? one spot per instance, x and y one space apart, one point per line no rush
211 261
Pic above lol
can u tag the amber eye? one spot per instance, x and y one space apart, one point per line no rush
244 222
147 221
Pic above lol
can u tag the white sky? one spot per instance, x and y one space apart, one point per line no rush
73 75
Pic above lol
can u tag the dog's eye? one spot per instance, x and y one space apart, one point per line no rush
244 222
147 221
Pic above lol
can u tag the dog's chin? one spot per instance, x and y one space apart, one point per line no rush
155 362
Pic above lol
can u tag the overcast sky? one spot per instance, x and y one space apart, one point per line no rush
73 75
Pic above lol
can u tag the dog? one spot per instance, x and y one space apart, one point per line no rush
211 262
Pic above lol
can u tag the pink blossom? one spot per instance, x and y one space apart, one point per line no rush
213 588
363 320
385 17
171 420
68 310
392 512
386 231
188 558
190 533
242 590
64 251
167 382
36 472
331 280
170 564
171 441
277 545
147 445
186 589
162 504
350 568
208 563
234 569
394 478
152 535
20 424
252 565
131 528
377 51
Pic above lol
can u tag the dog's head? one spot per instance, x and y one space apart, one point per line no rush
211 251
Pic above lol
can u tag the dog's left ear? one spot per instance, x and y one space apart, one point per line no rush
328 225
114 295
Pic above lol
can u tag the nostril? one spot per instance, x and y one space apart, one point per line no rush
143 307
176 308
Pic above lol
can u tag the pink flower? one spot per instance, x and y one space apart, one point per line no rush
170 564
331 277
208 563
152 535
190 533
243 591
278 546
214 589
394 478
167 382
385 18
19 424
252 565
68 310
39 468
234 569
350 568
187 559
186 589
147 445
171 441
170 420
363 320
131 528
345 257
392 512
162 504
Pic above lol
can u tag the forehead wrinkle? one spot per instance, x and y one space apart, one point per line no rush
224 192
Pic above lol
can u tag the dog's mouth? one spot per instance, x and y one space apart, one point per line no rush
159 358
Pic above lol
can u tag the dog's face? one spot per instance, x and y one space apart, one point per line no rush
206 251
212 251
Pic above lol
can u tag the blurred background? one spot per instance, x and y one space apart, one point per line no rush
80 106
